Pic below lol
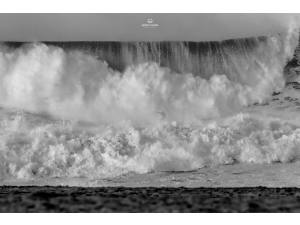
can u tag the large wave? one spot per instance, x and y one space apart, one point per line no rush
153 114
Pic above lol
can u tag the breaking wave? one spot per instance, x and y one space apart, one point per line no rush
69 113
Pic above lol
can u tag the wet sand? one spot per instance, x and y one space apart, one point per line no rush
147 199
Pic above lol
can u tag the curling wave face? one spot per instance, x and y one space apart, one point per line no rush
68 114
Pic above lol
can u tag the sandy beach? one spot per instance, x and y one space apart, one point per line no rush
148 199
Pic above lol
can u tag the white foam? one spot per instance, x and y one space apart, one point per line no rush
55 149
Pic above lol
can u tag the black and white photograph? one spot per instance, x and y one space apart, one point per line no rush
149 112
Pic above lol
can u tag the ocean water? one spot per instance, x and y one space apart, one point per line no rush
151 113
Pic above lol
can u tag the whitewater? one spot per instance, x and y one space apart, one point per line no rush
151 113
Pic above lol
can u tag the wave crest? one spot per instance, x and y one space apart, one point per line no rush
77 86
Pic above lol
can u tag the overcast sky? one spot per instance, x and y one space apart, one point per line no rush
129 27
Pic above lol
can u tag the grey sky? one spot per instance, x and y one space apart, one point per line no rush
128 27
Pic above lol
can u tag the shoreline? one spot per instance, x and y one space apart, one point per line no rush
148 199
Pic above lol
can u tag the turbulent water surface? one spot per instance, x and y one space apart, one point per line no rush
173 113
